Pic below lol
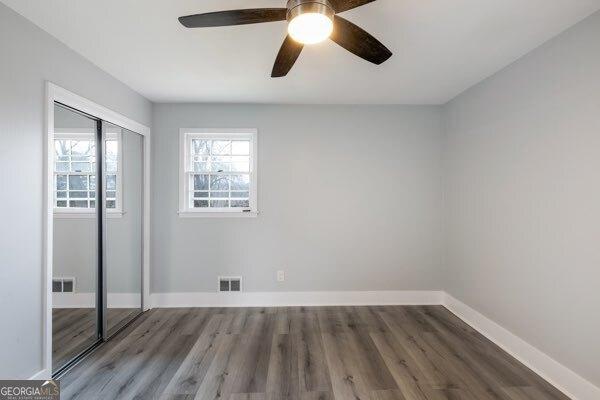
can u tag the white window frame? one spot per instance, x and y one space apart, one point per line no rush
86 134
185 138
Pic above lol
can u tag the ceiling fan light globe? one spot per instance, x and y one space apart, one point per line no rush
310 28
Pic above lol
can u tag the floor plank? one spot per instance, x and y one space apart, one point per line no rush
75 329
320 353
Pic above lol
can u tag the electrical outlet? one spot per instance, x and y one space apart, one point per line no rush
280 276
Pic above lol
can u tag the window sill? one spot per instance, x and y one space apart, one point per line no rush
85 215
217 214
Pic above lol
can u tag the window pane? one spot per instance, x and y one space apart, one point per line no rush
82 148
201 167
200 147
78 182
240 164
92 182
240 147
219 203
221 147
221 173
81 167
78 195
61 203
220 164
200 203
78 203
61 182
218 182
61 148
240 195
240 182
62 167
111 195
93 204
111 182
240 203
200 182
111 204
61 195
111 166
219 195
112 149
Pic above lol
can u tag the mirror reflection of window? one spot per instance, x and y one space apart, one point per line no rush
75 170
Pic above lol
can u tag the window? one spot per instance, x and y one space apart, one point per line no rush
75 172
218 172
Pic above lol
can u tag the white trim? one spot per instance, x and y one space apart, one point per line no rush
41 375
88 300
89 107
551 370
216 214
55 93
296 299
184 210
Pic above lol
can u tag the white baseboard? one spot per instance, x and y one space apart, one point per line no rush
88 300
559 376
43 374
291 299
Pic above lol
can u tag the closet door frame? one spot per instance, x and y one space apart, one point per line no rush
57 94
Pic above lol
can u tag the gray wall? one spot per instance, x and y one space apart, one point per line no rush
523 198
349 199
29 57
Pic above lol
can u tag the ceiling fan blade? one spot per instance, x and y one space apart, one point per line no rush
234 17
345 5
287 56
357 41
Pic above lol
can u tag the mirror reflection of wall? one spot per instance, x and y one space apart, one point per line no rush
74 317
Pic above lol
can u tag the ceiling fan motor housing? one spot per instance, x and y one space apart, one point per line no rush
298 7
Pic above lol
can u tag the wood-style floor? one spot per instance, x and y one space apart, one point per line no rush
345 353
74 330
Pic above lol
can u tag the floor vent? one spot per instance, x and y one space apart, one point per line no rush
230 284
63 285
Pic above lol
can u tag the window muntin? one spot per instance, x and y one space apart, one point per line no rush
219 172
74 172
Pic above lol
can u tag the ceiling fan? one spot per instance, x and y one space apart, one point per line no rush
309 22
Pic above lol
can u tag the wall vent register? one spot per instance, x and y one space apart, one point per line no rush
63 285
229 284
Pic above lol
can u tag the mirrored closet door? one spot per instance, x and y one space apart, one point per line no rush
97 233
123 192
75 316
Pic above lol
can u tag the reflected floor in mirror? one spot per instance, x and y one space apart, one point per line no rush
74 330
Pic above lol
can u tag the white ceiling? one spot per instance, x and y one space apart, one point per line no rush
441 47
